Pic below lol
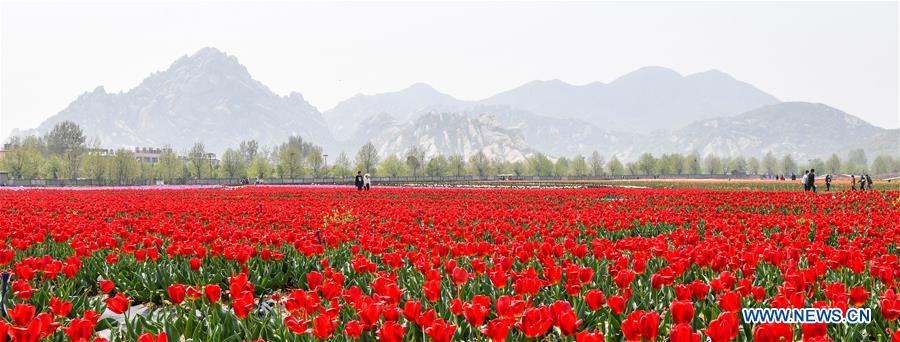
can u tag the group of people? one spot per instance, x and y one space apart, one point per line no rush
809 181
362 182
864 182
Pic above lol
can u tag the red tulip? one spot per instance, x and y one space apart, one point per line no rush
106 285
683 333
176 293
411 310
195 263
147 337
858 296
21 314
730 301
118 304
213 292
724 328
535 322
774 332
460 276
323 327
682 311
295 325
585 336
242 303
496 330
353 329
60 308
391 332
594 299
440 331
476 313
617 304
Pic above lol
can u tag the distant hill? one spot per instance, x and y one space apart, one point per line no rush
449 133
647 99
210 97
802 129
207 97
345 118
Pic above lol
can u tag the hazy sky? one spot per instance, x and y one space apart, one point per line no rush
841 54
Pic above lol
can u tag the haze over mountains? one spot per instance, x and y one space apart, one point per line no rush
210 97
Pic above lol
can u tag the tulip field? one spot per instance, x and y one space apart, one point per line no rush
264 263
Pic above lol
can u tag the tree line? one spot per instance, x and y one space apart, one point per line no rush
65 153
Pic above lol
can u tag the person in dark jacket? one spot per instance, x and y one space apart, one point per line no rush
869 180
811 180
862 182
828 182
358 181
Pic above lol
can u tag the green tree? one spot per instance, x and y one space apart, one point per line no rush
415 158
561 167
712 163
540 165
693 163
24 159
54 167
93 166
316 162
753 165
833 165
123 166
457 164
596 164
615 167
858 157
579 166
392 166
260 167
882 164
199 161
290 161
232 164
788 165
67 140
367 158
248 150
480 163
341 167
646 163
437 166
738 164
770 164
169 166
677 162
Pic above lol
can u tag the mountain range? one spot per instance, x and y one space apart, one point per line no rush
211 98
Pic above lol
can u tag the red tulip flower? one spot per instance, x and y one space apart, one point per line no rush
213 292
118 304
682 311
594 299
106 285
496 330
440 331
391 332
176 293
323 327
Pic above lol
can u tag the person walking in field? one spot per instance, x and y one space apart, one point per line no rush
853 182
811 180
358 181
862 183
828 183
805 180
367 182
869 180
